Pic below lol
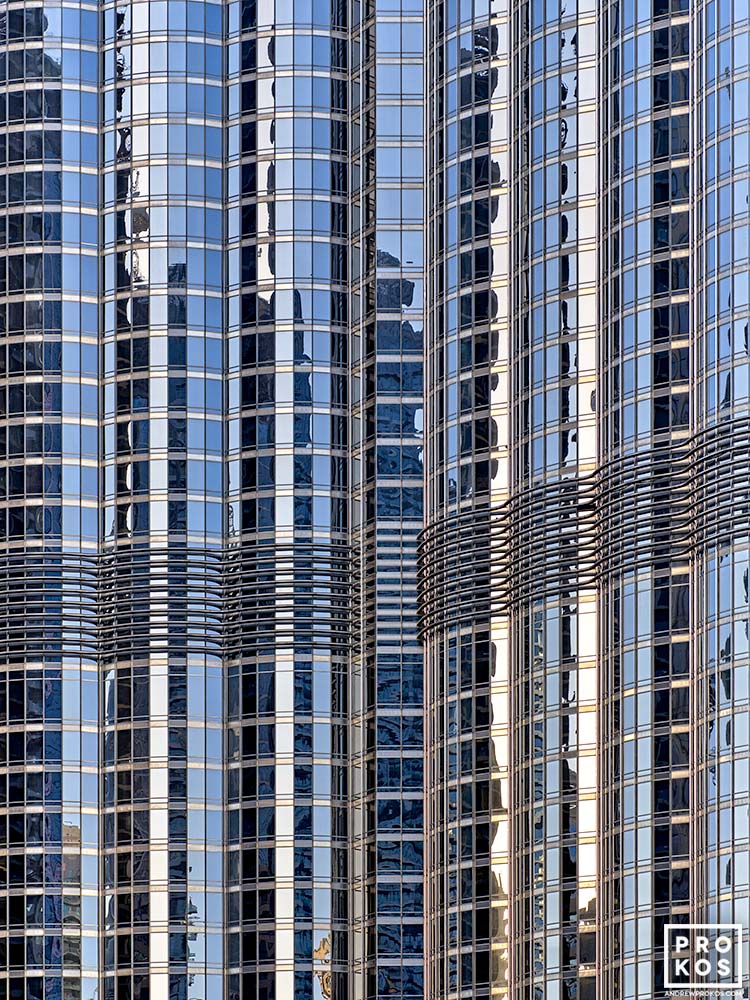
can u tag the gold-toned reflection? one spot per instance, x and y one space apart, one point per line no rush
322 954
500 843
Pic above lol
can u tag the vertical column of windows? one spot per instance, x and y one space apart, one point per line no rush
162 366
721 425
554 618
363 752
465 441
49 875
287 273
645 414
388 364
500 443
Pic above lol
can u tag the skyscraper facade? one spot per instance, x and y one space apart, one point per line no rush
586 787
374 534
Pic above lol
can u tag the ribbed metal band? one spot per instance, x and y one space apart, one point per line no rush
298 593
641 510
136 602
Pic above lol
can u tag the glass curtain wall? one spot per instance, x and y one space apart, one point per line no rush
49 832
288 570
215 391
466 440
162 434
386 357
553 604
645 594
721 424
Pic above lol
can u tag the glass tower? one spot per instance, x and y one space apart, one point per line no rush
467 445
374 540
161 500
387 320
583 565
52 873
